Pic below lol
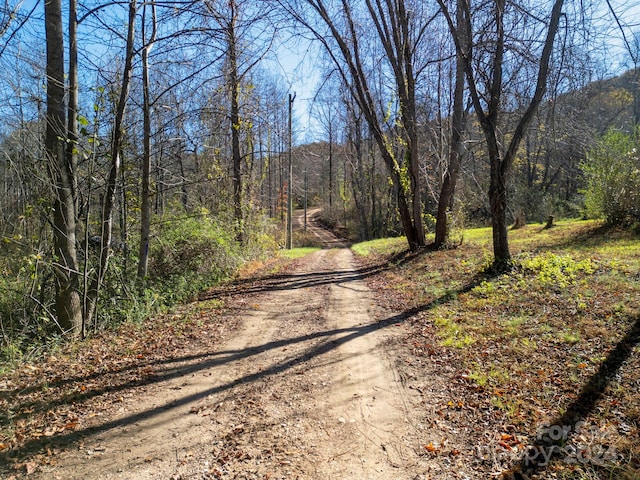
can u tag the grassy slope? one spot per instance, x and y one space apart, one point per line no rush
553 342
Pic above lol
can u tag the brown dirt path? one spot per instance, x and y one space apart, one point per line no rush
304 389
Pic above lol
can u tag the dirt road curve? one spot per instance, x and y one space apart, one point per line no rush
303 390
329 240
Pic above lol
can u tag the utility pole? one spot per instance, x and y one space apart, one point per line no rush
290 179
305 199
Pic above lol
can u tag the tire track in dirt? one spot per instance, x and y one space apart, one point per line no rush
367 401
302 390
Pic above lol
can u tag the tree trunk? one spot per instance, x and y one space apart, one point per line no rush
234 93
72 108
447 192
498 202
145 200
115 151
330 166
67 302
289 242
405 213
375 231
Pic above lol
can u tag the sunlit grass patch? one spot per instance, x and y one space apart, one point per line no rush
297 252
553 269
386 246
488 375
571 337
526 343
477 236
513 324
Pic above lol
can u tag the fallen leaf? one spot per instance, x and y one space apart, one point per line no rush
71 425
30 467
504 445
430 448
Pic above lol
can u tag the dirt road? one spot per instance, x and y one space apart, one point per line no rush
303 389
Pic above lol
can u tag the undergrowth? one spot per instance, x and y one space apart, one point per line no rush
188 255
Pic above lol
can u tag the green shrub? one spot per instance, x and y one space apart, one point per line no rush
188 255
612 173
194 245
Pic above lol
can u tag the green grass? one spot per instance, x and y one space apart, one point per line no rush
380 246
298 252
529 340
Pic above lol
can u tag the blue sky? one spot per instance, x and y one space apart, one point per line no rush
296 62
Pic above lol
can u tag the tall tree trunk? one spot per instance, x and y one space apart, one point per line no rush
67 302
112 181
447 192
234 117
488 116
330 165
72 107
289 242
145 200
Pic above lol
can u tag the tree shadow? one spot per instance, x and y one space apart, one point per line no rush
587 236
549 445
322 342
293 281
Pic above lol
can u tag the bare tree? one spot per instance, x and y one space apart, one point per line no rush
237 22
447 191
11 21
68 305
396 31
486 86
115 158
145 194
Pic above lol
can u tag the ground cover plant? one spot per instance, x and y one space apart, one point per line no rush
542 362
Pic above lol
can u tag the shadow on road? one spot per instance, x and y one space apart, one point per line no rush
322 342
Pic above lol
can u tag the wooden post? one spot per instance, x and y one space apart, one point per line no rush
290 179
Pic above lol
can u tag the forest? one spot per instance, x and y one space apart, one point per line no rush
149 148
320 239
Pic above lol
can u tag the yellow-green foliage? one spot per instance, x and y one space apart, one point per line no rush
551 268
190 245
298 252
